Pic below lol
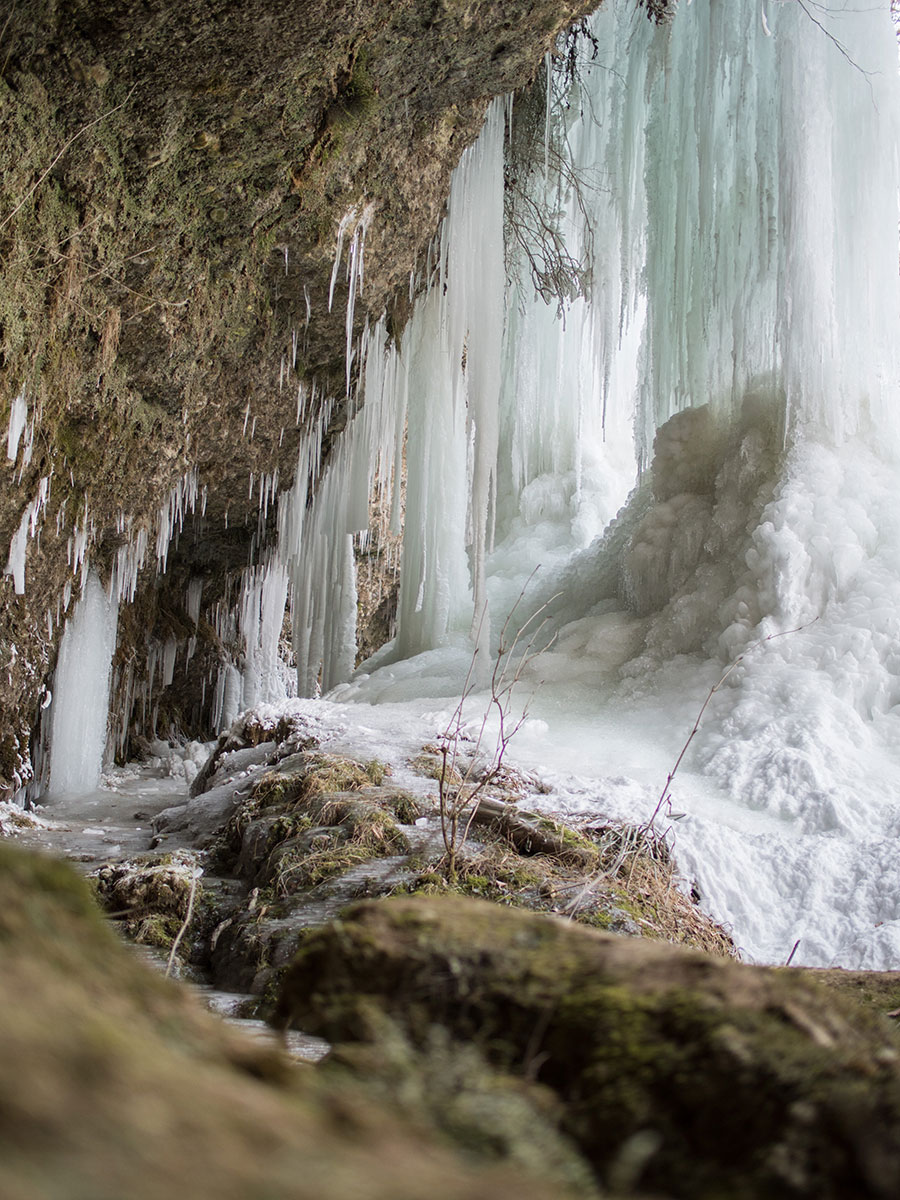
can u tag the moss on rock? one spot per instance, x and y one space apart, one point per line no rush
736 1081
152 897
114 1082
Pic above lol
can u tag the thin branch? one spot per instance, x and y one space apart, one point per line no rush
74 138
187 921
664 795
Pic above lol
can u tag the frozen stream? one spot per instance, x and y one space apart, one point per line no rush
728 196
111 824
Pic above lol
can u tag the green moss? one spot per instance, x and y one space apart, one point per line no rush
158 931
328 773
358 98
568 836
433 767
877 990
298 869
362 834
726 1064
289 825
9 755
377 771
406 807
596 919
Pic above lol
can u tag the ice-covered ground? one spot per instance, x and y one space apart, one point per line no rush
787 566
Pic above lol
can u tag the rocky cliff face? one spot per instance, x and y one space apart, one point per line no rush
174 181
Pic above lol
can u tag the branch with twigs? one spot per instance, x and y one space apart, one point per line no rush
187 920
459 790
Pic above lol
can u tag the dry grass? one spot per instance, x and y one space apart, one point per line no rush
637 863
631 884
358 831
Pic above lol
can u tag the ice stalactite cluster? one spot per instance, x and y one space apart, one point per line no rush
18 419
88 629
21 430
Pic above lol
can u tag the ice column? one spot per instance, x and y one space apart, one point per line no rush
316 536
263 602
81 692
451 358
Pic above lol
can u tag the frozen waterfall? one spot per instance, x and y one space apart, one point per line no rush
686 418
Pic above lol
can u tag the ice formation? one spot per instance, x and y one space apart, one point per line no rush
80 704
731 181
18 418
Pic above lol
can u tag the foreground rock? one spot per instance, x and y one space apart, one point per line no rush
677 1071
114 1083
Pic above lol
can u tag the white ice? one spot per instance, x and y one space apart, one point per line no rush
81 693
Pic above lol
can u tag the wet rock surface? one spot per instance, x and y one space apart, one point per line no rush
291 834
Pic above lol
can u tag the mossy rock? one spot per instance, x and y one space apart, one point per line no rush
878 990
491 1115
114 1082
151 898
712 1079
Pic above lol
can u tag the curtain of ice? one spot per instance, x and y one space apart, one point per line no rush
726 182
771 211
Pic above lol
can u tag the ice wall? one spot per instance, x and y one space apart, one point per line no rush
81 692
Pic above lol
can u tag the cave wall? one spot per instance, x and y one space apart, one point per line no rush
173 182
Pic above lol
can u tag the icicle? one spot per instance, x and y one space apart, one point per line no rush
28 528
358 221
170 651
192 600
182 499
17 419
262 608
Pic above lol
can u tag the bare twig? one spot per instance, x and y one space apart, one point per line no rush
664 795
839 45
187 921
459 791
66 145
